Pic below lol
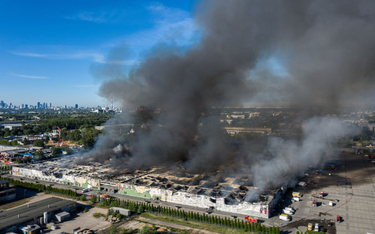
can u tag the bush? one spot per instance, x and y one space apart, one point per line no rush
119 216
147 230
129 231
113 229
82 198
98 215
85 210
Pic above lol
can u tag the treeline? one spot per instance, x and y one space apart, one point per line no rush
88 120
6 142
6 168
47 123
41 187
140 207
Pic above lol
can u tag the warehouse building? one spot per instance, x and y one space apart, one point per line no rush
228 195
35 213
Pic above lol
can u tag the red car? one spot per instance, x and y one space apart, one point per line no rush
251 219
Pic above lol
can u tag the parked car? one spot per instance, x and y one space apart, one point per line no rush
316 229
284 217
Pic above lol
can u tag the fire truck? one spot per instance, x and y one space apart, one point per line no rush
251 219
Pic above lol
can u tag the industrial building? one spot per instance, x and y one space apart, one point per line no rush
6 193
122 211
40 213
229 194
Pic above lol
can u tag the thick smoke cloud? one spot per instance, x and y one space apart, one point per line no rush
289 158
326 47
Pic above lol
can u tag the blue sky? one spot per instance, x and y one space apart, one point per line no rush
48 47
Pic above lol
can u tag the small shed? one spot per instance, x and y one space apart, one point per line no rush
62 216
120 210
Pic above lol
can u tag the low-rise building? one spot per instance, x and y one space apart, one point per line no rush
35 213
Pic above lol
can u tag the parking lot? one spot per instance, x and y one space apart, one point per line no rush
350 187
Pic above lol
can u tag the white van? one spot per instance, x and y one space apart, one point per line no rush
289 212
284 217
330 203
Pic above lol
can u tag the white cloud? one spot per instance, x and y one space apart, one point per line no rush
28 76
98 17
96 57
171 25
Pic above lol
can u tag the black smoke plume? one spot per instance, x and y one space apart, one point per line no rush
326 47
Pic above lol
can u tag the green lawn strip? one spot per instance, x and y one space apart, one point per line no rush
193 224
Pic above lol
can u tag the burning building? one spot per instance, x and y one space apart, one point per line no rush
226 194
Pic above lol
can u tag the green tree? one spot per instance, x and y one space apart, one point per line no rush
93 199
39 154
39 143
55 151
140 209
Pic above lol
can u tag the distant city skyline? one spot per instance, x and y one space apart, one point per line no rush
44 105
53 50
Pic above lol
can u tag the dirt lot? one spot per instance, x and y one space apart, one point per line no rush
133 225
83 220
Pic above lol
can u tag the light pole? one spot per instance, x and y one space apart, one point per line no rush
24 194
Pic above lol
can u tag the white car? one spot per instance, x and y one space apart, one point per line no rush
295 199
316 229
